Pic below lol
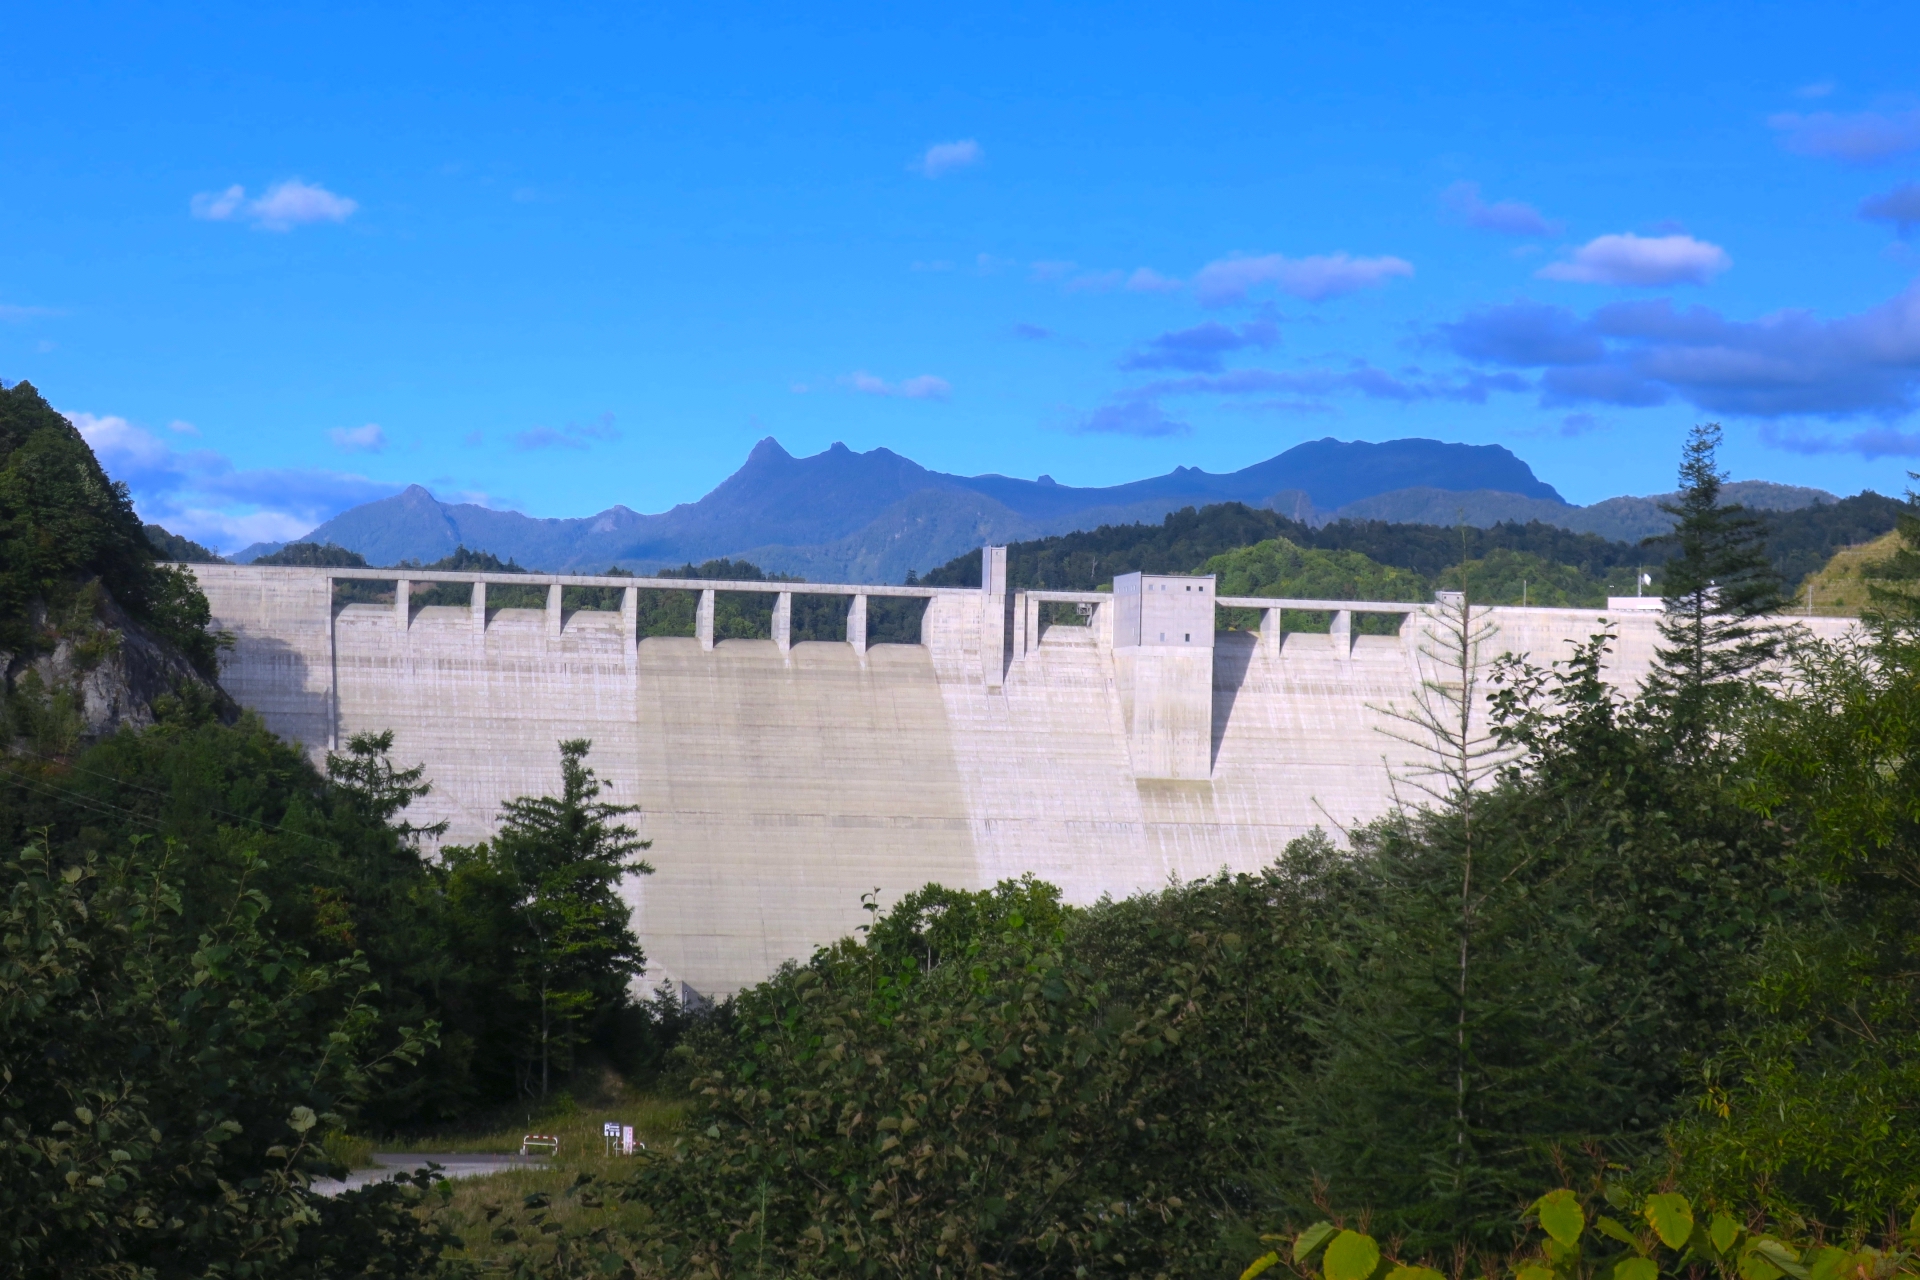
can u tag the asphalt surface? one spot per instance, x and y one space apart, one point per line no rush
463 1165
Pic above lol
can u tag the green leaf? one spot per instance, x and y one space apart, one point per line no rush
1671 1218
1311 1239
1635 1269
1259 1264
1534 1271
1781 1256
1754 1266
1612 1227
1405 1272
1828 1262
1724 1232
1351 1256
1561 1216
302 1119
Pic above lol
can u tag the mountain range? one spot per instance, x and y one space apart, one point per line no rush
874 516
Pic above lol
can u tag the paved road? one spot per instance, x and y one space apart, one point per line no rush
464 1165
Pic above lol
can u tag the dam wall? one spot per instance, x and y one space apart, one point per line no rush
780 781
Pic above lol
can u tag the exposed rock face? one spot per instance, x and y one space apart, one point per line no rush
100 671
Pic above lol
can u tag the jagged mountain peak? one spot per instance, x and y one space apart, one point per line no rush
812 512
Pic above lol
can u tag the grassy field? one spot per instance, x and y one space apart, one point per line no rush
547 1219
1839 587
578 1129
559 1218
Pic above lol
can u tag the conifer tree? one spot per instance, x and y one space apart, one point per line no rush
553 876
1453 1053
1716 587
379 790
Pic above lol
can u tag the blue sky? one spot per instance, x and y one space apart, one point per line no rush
279 261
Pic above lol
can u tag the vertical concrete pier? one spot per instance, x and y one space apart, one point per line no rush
857 625
996 617
783 622
630 630
1163 671
703 620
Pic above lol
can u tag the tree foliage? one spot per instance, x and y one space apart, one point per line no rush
313 555
1066 1098
176 548
1831 1043
64 524
541 908
163 1086
1719 585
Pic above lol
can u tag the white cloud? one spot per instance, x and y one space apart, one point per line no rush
1640 260
218 206
1095 282
1864 137
1147 280
945 157
367 439
1506 217
180 426
1900 206
202 495
1073 278
285 205
125 450
1818 89
13 313
1875 442
1314 278
1141 418
571 436
1789 364
924 387
1202 348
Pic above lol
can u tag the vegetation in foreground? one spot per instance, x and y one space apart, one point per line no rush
1637 961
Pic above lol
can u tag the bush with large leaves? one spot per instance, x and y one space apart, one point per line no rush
163 1089
1085 1098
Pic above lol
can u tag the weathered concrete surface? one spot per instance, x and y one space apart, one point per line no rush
778 787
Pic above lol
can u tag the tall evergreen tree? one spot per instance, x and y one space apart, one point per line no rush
1717 586
379 790
544 896
1452 1040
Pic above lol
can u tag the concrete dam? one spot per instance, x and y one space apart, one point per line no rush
779 781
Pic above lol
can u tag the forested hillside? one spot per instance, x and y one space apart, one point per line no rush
95 632
1569 568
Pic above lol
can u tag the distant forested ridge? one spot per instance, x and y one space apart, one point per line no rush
176 549
1566 567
